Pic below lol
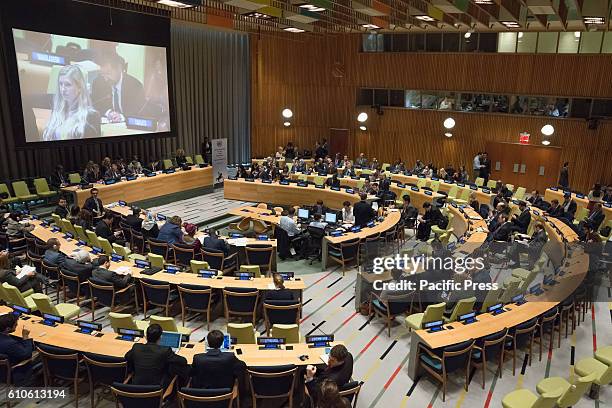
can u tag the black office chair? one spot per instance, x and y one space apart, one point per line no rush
283 243
217 260
281 312
520 337
138 396
105 294
127 231
103 371
315 243
489 349
240 302
207 398
15 245
184 254
345 253
391 307
158 247
158 294
260 255
138 243
440 362
350 391
272 382
61 367
73 286
195 298
51 272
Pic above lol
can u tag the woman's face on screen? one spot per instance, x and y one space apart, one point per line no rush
68 89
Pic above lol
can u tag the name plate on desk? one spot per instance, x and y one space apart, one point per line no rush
250 180
133 122
355 229
88 327
461 184
319 340
421 176
129 334
142 264
414 188
109 181
122 203
355 177
207 273
80 243
161 217
319 186
95 250
68 236
130 178
428 192
270 343
172 269
302 184
435 178
486 190
47 59
35 217
51 319
152 174
232 178
433 327
579 195
336 233
334 188
262 237
284 183
235 235
287 275
55 229
116 258
608 205
554 189
266 181
244 276
350 191
169 171
44 223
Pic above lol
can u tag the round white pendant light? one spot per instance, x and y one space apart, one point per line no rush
449 123
287 123
362 117
287 113
448 134
547 130
363 128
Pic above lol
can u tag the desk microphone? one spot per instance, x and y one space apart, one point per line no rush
317 328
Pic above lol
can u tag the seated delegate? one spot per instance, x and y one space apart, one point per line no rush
215 368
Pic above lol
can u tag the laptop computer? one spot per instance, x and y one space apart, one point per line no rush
171 339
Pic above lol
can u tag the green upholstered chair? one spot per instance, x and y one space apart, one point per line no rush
435 185
198 265
491 299
491 184
511 286
126 253
519 194
168 164
462 307
581 214
432 313
590 365
23 192
57 220
15 297
199 159
74 178
524 398
572 392
42 188
80 233
479 181
68 227
10 199
106 246
93 239
189 160
510 187
126 321
290 332
243 332
421 182
157 261
67 310
254 269
604 354
169 324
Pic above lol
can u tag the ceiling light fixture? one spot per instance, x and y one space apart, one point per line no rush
362 117
255 14
287 123
425 18
311 7
363 128
370 26
547 130
467 35
510 24
287 113
449 123
545 142
180 4
577 34
594 20
294 30
448 134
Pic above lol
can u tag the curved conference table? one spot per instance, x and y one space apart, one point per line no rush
581 201
575 268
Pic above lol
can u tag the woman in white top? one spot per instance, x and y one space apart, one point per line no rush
347 213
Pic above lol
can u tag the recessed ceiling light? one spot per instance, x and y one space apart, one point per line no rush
294 30
311 7
449 123
179 4
363 128
510 24
287 124
255 14
483 1
594 20
467 35
547 130
577 34
370 26
448 134
545 142
425 18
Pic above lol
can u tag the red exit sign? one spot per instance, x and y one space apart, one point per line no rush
524 138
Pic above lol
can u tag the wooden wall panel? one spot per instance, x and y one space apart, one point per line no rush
318 79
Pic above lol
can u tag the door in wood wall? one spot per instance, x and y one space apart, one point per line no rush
533 167
338 141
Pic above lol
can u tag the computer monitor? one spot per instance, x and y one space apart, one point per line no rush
330 218
319 340
468 318
270 343
496 309
433 326
129 334
88 327
171 339
303 213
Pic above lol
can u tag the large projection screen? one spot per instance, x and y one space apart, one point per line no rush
76 88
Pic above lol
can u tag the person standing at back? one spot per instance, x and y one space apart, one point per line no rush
216 369
153 364
564 176
363 211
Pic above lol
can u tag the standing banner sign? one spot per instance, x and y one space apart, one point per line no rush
219 160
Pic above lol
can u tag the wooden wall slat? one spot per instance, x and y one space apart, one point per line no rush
304 78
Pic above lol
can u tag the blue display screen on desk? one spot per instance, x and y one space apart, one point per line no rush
207 273
44 58
130 178
320 341
244 275
266 181
284 183
414 188
142 264
161 217
96 250
262 237
51 319
270 342
172 269
44 223
350 190
355 229
427 192
287 275
554 189
110 181
461 184
334 188
122 203
151 174
236 235
80 242
116 258
55 228
68 235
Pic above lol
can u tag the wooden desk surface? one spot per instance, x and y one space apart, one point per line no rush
147 187
69 247
291 194
64 335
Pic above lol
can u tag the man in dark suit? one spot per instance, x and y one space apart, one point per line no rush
339 370
102 272
152 364
431 217
116 94
532 246
319 208
596 217
79 265
363 211
104 229
212 241
485 168
555 210
93 204
134 220
62 208
521 222
59 178
16 349
504 229
216 369
569 207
